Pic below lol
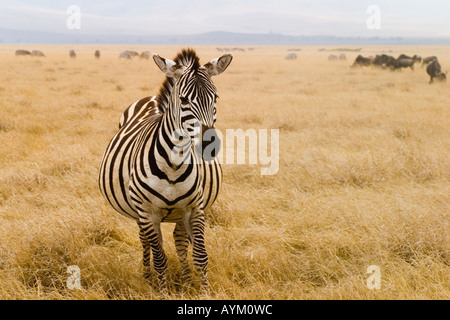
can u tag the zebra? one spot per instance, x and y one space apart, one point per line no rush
37 53
139 178
291 56
145 55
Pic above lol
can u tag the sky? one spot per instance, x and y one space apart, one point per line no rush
343 18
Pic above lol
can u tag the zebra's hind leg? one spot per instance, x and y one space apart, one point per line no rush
200 257
150 234
181 244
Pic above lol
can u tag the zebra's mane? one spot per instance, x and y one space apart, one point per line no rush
188 58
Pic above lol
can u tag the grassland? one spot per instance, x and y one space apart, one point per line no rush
363 178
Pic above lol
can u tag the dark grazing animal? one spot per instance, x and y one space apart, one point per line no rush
362 61
434 71
416 58
151 175
383 61
72 54
403 63
23 53
380 60
403 56
428 60
389 62
97 54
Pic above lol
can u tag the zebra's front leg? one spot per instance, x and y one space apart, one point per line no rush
151 238
181 244
200 257
146 250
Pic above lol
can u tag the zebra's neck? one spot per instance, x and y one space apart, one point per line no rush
174 144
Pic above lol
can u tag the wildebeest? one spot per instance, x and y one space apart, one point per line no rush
403 63
380 60
389 62
383 61
416 58
37 53
434 71
291 56
403 56
23 53
145 55
97 54
72 54
427 60
362 61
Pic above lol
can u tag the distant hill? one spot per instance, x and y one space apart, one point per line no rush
209 38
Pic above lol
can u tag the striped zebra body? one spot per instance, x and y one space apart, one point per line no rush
118 186
139 177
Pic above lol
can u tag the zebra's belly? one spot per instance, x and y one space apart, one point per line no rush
156 194
174 215
168 212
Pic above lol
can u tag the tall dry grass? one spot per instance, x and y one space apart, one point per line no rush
363 178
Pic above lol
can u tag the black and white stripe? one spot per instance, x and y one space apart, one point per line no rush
139 176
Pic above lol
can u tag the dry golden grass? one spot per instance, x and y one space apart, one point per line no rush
363 178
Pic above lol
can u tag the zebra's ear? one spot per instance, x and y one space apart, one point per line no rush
218 65
169 67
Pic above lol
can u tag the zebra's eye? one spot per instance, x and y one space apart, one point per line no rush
184 100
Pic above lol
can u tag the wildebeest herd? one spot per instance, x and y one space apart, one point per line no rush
385 61
127 54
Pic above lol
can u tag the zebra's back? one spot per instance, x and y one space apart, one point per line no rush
114 173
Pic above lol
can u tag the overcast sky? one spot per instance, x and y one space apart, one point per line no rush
404 18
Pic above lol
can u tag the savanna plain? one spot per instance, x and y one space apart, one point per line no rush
363 177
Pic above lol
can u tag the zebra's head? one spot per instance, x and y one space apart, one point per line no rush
191 91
